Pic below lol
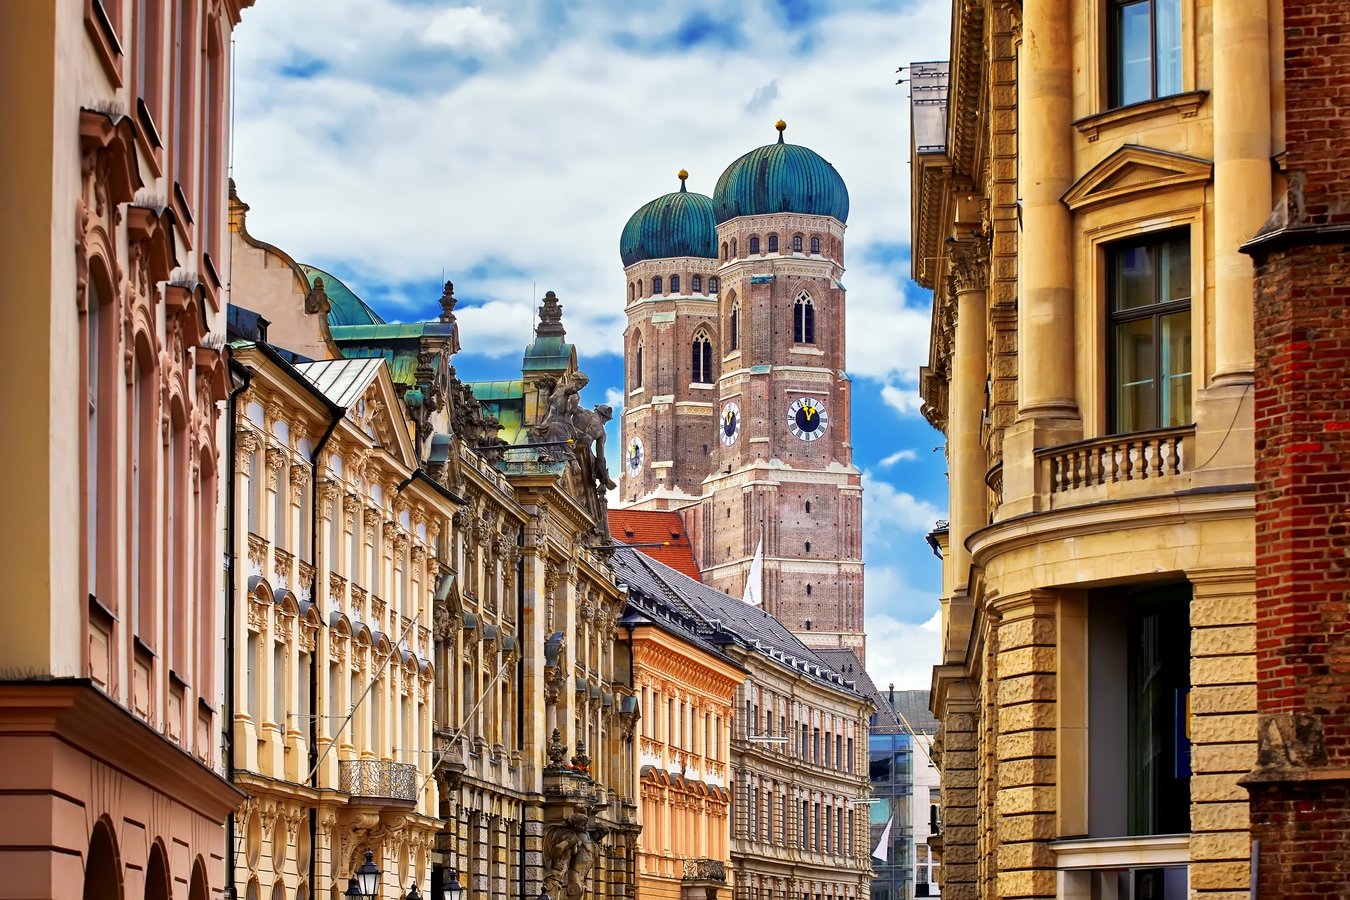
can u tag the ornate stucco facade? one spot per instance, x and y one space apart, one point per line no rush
524 762
112 285
1078 214
738 402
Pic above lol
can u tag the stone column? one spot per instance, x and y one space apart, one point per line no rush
1242 173
968 459
1046 326
957 760
1028 794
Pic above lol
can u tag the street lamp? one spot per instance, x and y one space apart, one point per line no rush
452 889
367 878
414 893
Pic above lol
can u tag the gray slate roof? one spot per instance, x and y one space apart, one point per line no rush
342 380
714 618
847 664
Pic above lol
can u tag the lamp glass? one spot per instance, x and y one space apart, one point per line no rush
452 889
368 876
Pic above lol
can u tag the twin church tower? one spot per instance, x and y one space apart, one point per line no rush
737 400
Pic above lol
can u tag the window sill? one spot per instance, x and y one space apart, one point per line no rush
809 351
1122 852
1188 104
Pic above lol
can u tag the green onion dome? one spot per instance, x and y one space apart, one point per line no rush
678 224
780 178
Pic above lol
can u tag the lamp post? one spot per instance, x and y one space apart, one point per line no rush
452 889
365 884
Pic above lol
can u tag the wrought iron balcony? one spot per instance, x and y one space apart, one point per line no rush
380 778
705 870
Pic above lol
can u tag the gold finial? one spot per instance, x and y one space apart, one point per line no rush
780 125
682 174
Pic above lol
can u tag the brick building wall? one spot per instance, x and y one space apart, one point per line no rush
1301 783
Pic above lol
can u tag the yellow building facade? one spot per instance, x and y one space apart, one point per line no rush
1083 176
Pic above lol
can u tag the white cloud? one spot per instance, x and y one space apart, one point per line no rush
904 400
469 26
902 653
614 400
397 157
887 511
897 456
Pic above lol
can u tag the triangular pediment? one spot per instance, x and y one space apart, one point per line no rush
380 414
1133 170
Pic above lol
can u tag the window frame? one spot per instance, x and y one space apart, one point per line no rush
658 286
675 284
804 319
701 371
815 246
1115 57
1113 319
773 243
754 244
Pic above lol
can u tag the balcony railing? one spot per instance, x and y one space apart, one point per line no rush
378 778
1116 459
705 870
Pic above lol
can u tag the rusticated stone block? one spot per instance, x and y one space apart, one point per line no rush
1216 670
1224 640
1207 611
1014 801
1027 661
1222 729
959 778
1226 699
1221 875
1040 827
1027 883
1023 772
955 761
1221 845
1235 758
1025 744
1026 855
1026 688
1026 716
1216 788
1032 632
1218 816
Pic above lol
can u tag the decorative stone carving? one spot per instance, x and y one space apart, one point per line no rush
299 481
276 458
246 442
328 494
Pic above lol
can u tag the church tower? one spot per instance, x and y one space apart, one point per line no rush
777 471
669 251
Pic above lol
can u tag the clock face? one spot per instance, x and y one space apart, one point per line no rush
633 457
730 428
807 418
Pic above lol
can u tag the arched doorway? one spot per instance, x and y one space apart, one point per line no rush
102 867
157 874
199 888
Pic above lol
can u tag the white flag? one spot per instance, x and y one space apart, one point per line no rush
754 586
883 850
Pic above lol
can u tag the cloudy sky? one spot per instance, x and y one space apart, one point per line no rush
505 144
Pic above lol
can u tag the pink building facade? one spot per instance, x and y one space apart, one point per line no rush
113 283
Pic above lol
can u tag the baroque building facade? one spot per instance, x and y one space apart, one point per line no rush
527 756
1082 186
113 277
737 398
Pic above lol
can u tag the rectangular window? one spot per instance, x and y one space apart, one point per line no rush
1145 50
850 756
1149 298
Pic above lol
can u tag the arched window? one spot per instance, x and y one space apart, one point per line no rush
733 247
796 243
656 285
724 251
696 284
734 326
804 320
674 284
773 243
754 245
639 292
702 358
637 365
630 292
815 245
713 284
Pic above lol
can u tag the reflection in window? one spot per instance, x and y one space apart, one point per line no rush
1145 50
1150 303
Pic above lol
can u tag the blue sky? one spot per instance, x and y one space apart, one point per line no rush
505 144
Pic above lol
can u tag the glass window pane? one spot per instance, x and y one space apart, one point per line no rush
1134 64
1167 24
1135 284
1135 378
1176 369
1176 271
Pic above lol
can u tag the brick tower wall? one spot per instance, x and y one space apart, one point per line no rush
1300 789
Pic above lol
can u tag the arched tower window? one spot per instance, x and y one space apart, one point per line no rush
674 284
637 364
639 292
702 358
656 285
734 326
754 245
733 247
804 320
631 295
724 251
815 245
796 243
696 284
713 284
773 243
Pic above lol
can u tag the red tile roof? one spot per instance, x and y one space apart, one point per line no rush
658 534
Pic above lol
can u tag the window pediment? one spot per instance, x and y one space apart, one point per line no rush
1134 170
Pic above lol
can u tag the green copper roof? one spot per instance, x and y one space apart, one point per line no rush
678 224
780 178
402 363
506 401
498 390
344 307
